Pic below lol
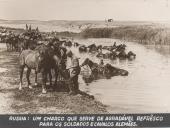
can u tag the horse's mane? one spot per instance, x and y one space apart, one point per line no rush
57 51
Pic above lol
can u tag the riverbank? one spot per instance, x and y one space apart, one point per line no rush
32 101
145 34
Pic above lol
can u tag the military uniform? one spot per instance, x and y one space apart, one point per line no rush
101 67
74 70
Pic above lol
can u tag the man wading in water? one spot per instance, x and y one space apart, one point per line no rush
74 69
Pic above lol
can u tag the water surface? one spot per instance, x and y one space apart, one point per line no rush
145 89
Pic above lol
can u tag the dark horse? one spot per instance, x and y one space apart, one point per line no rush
103 71
43 59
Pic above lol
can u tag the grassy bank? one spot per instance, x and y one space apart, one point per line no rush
142 34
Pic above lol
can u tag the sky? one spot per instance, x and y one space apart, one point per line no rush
133 10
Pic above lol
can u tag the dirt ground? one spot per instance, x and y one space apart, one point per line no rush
33 101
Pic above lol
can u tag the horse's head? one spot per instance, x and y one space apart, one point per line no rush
59 55
41 59
88 62
113 71
131 55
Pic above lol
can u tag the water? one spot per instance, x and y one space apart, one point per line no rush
145 89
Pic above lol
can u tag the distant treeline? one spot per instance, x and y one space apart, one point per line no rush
141 34
68 34
145 34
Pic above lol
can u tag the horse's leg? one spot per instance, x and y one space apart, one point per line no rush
36 78
44 79
14 46
28 80
56 75
50 77
10 46
7 46
21 75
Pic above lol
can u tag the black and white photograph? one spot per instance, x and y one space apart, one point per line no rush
84 56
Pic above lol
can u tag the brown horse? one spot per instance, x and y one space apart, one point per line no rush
32 60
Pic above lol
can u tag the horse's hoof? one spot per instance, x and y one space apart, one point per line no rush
35 84
30 87
44 91
20 88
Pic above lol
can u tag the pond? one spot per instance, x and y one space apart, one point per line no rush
146 88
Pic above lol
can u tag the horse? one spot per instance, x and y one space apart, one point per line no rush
68 43
109 69
92 48
82 48
59 59
32 60
131 55
100 71
56 60
76 44
29 40
9 40
99 47
16 43
109 55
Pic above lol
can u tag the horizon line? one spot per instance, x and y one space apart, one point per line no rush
84 20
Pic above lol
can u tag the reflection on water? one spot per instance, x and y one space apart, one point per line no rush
145 89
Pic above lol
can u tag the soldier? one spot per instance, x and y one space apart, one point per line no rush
74 69
30 28
26 27
101 67
101 62
37 29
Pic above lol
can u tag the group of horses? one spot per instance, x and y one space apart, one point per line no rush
99 71
20 41
39 52
106 70
43 59
112 52
45 54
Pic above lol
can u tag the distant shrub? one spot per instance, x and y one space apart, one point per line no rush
142 34
97 33
67 34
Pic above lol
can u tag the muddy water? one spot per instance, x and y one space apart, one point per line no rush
145 89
